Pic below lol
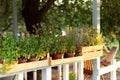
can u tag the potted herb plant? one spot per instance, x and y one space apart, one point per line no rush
32 45
8 51
58 48
23 50
36 48
88 40
42 47
70 46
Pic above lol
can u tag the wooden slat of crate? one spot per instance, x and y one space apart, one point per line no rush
91 48
91 55
65 60
26 66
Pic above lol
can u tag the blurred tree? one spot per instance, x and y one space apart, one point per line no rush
56 14
5 15
110 24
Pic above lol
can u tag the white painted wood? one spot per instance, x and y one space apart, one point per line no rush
66 72
25 75
46 74
35 75
113 73
96 15
60 72
117 64
80 74
75 68
20 76
96 68
15 22
107 69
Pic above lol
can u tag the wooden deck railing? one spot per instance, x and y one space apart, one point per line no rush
63 70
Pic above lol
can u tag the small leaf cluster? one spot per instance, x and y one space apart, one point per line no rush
70 43
72 75
9 49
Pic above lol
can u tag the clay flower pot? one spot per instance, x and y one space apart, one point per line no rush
33 59
67 55
1 61
22 60
57 56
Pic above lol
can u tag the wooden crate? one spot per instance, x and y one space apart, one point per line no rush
65 60
89 52
26 66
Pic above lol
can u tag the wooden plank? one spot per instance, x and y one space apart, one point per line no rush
113 75
117 64
80 75
92 55
107 69
91 48
25 76
66 60
35 75
111 68
66 72
75 69
26 66
47 74
60 72
20 76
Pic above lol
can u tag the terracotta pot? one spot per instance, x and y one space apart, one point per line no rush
22 60
57 56
33 59
67 55
13 62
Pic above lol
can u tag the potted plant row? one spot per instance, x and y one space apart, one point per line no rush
63 47
70 45
31 48
13 51
79 42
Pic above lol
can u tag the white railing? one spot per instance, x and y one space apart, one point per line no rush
63 70
62 64
111 68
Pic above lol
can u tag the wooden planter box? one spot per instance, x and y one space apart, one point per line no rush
89 52
29 66
65 60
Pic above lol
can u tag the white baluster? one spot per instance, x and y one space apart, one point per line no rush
113 73
46 74
66 72
20 76
35 75
75 68
60 72
80 70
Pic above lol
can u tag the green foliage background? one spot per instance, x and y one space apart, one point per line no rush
73 13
